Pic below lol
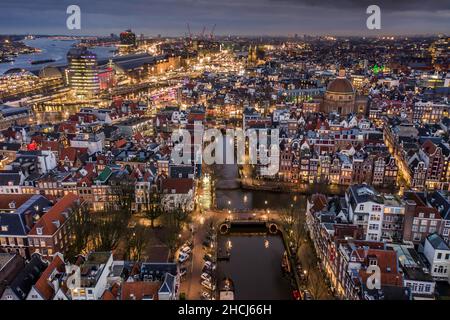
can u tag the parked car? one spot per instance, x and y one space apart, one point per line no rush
207 284
208 257
188 243
307 295
207 296
183 257
296 294
186 250
209 265
207 270
206 276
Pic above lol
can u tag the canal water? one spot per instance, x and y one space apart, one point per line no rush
255 259
50 49
229 196
255 266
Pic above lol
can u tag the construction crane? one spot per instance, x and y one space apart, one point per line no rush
211 36
189 31
202 35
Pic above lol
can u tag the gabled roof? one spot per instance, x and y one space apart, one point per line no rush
12 202
168 285
158 270
179 185
28 276
55 214
104 175
437 242
15 222
43 286
140 290
71 153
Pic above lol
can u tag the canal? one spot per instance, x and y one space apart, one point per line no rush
255 257
255 263
254 266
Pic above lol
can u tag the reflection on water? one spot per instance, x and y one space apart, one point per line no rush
240 200
51 49
255 267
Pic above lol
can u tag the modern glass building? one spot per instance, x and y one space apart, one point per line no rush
82 73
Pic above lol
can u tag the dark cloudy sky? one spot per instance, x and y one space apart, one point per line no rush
245 17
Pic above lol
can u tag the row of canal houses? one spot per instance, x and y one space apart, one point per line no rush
366 228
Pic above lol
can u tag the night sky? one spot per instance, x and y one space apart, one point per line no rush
241 17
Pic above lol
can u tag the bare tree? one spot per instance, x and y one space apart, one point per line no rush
293 222
316 285
181 216
122 193
152 207
109 227
136 242
80 228
307 257
171 230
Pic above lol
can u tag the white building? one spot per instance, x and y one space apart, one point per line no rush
437 252
94 276
366 207
94 142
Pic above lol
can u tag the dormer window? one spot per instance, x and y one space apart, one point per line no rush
12 205
39 231
4 228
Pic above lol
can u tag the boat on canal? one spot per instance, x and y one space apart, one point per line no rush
226 289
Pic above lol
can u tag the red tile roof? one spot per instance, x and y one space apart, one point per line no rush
54 214
120 143
71 153
429 147
43 286
139 290
387 262
111 294
18 199
179 185
50 145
